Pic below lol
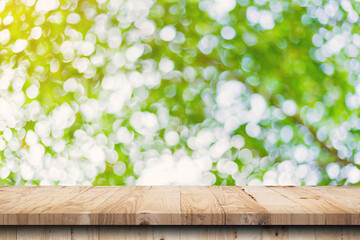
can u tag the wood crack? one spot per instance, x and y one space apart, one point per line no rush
183 205
251 196
222 209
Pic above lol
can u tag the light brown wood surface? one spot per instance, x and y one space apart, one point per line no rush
179 205
200 207
239 207
179 233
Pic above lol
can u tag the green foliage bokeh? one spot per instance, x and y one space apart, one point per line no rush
179 92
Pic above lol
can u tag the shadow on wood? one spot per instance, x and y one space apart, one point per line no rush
179 232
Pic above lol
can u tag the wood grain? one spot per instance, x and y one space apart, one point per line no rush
302 232
274 232
167 233
284 211
128 233
192 232
29 206
200 207
247 233
122 210
160 206
345 197
81 209
8 233
350 232
239 207
43 233
82 233
175 205
324 211
180 232
325 233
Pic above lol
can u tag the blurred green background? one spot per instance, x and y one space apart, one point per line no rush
214 92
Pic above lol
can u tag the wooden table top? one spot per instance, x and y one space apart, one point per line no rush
179 205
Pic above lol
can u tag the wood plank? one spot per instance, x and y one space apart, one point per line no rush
7 202
167 233
59 232
182 232
200 207
302 232
139 233
239 207
220 232
341 196
137 205
344 196
124 208
324 211
274 232
350 232
8 233
247 232
326 233
81 209
29 233
43 233
30 207
84 233
112 232
347 198
283 211
193 232
126 232
8 194
161 206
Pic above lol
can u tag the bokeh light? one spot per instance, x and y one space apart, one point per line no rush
121 92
